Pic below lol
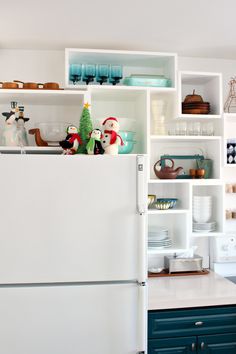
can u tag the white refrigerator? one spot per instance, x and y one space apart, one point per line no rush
72 254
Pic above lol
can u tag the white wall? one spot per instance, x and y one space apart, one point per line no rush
32 65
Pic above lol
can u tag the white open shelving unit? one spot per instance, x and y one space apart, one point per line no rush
135 104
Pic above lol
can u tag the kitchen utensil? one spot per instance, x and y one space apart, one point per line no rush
200 173
183 264
127 135
51 86
207 166
181 157
147 80
151 199
165 203
127 148
53 132
194 104
193 98
38 139
75 73
28 85
116 74
166 172
9 85
204 227
102 73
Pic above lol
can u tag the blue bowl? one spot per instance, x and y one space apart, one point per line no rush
127 148
127 135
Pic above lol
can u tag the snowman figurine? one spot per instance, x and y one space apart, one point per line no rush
111 139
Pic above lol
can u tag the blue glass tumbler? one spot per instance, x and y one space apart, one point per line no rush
116 74
102 73
88 73
75 73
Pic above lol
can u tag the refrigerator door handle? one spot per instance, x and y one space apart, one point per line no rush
142 320
142 206
141 185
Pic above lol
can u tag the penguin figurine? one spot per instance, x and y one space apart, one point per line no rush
21 131
10 134
94 146
72 141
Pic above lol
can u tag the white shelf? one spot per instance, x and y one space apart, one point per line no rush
199 116
42 97
187 138
94 87
30 149
168 211
166 250
200 182
207 234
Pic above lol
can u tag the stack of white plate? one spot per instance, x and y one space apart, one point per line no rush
202 208
204 226
158 238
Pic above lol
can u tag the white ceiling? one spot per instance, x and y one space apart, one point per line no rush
204 28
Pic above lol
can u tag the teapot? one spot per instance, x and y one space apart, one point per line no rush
167 172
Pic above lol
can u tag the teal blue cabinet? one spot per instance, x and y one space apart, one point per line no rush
217 344
174 346
209 330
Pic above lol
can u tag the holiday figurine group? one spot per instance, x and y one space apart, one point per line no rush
14 132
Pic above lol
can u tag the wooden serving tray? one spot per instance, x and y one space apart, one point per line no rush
165 273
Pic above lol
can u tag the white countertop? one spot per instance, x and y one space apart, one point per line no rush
190 291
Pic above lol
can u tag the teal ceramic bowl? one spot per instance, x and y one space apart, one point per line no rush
127 135
127 148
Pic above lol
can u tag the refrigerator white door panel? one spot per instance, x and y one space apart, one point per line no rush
68 218
70 319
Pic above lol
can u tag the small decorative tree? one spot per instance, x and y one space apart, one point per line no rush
85 127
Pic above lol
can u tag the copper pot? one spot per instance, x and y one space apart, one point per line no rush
9 85
28 85
51 86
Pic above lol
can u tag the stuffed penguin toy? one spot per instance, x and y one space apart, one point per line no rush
71 143
94 146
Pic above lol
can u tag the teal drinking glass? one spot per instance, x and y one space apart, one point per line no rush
75 73
102 73
116 74
88 73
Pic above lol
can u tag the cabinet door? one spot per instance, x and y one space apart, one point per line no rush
183 345
217 344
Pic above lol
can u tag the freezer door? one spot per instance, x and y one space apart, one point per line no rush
68 218
69 320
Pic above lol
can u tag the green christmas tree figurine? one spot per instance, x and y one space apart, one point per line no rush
85 127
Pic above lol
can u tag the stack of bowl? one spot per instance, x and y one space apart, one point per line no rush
202 208
128 140
202 213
